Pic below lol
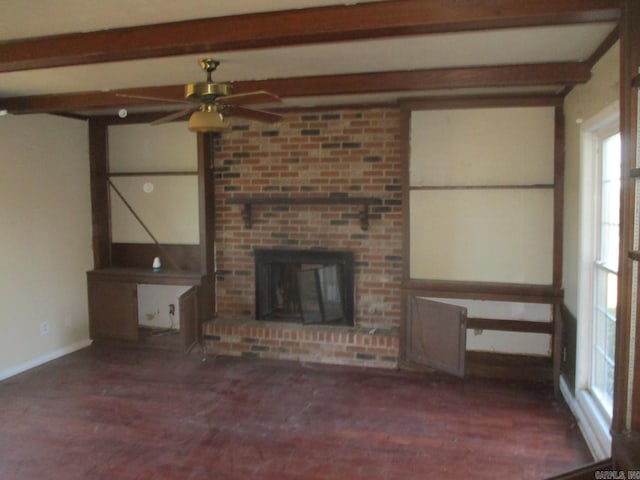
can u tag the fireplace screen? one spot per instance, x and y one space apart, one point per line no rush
304 286
320 294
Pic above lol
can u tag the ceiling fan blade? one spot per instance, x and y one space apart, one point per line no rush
155 99
259 115
173 116
259 96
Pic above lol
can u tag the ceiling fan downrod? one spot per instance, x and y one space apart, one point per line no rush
209 65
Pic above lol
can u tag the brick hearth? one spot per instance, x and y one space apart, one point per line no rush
355 346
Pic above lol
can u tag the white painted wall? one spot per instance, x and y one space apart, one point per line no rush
169 209
152 148
482 235
45 240
483 146
583 102
153 305
492 235
168 205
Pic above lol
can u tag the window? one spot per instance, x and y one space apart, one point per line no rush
598 276
605 271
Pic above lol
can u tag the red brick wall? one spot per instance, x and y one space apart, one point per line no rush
334 152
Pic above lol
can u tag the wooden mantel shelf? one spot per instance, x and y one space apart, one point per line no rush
147 275
249 201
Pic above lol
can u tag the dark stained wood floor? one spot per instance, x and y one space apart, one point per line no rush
107 413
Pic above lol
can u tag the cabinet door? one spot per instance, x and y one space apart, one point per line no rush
113 310
189 322
436 335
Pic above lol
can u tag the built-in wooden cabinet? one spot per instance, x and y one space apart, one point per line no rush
119 268
113 302
113 309
189 324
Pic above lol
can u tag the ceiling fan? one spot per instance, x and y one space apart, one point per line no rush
210 102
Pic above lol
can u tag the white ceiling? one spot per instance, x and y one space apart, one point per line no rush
562 43
37 18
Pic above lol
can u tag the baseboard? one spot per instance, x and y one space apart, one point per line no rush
594 435
23 367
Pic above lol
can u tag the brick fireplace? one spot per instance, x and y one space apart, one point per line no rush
308 157
312 287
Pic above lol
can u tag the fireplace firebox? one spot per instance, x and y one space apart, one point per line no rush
304 286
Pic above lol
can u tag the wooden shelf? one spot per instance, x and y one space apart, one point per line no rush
483 187
502 292
147 275
525 326
248 202
152 174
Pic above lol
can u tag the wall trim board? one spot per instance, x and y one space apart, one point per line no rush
99 167
594 435
485 290
481 101
523 326
569 346
42 359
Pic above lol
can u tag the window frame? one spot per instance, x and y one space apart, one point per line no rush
601 266
592 131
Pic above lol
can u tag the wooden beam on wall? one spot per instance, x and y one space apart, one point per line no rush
377 82
296 27
99 178
207 222
558 195
625 424
206 201
559 73
449 102
503 292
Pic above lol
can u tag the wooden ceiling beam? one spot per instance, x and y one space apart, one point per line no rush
297 27
94 100
351 84
432 79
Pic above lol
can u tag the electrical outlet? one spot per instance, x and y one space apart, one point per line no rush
44 328
172 309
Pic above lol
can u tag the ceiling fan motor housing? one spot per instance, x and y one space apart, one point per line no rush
206 91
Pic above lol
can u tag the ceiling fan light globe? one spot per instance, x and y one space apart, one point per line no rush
207 122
